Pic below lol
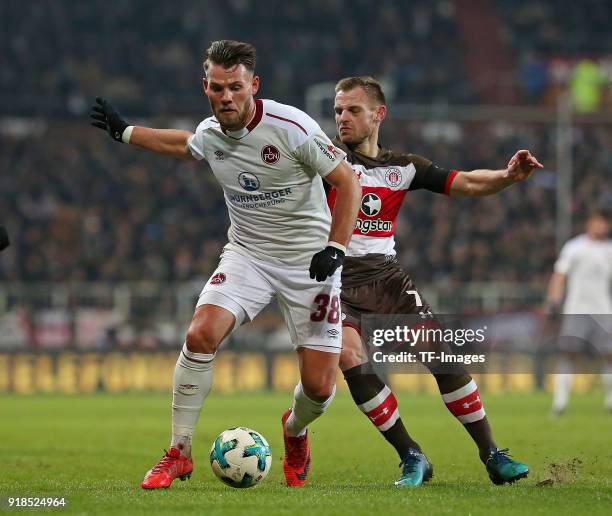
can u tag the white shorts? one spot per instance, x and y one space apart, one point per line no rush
579 331
311 309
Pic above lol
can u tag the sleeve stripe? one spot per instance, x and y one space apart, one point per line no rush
449 181
287 120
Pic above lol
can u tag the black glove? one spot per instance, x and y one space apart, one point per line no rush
4 239
325 263
103 116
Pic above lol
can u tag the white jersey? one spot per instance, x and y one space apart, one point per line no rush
587 263
268 172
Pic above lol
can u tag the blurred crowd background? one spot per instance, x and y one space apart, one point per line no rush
81 208
147 55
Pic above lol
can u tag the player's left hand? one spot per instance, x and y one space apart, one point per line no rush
522 165
325 263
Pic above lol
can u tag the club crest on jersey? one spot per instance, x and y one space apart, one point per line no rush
219 155
270 154
248 181
218 278
393 177
371 205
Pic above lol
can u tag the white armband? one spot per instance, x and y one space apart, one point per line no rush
337 246
127 134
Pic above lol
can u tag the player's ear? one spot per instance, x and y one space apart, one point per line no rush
255 84
205 83
381 113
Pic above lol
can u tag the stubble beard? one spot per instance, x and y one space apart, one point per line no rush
235 124
354 140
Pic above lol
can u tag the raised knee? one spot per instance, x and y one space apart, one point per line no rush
200 339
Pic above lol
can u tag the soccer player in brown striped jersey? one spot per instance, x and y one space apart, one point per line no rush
374 283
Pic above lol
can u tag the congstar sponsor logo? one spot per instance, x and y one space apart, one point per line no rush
365 226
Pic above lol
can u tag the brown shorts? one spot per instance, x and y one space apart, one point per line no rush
376 284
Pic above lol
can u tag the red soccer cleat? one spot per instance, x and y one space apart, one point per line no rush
171 466
297 456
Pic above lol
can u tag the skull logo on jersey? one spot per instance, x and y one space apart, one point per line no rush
248 181
371 205
393 177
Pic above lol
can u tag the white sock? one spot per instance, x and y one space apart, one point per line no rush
191 385
606 381
305 410
564 379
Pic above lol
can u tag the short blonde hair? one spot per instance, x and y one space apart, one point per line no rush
370 85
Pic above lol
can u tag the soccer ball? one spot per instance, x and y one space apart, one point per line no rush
240 457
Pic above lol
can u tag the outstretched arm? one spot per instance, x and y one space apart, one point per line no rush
170 142
487 182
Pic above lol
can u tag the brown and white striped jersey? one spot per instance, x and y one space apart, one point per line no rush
385 181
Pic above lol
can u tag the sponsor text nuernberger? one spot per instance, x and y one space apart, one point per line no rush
260 200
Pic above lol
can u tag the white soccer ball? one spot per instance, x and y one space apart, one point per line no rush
240 457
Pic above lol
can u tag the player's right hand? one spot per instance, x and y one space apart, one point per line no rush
103 116
325 263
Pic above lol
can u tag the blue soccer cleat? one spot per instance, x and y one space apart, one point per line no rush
416 469
502 469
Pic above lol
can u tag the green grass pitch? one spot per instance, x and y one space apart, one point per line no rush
94 450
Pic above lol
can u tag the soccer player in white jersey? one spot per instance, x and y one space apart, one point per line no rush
583 273
374 283
267 157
